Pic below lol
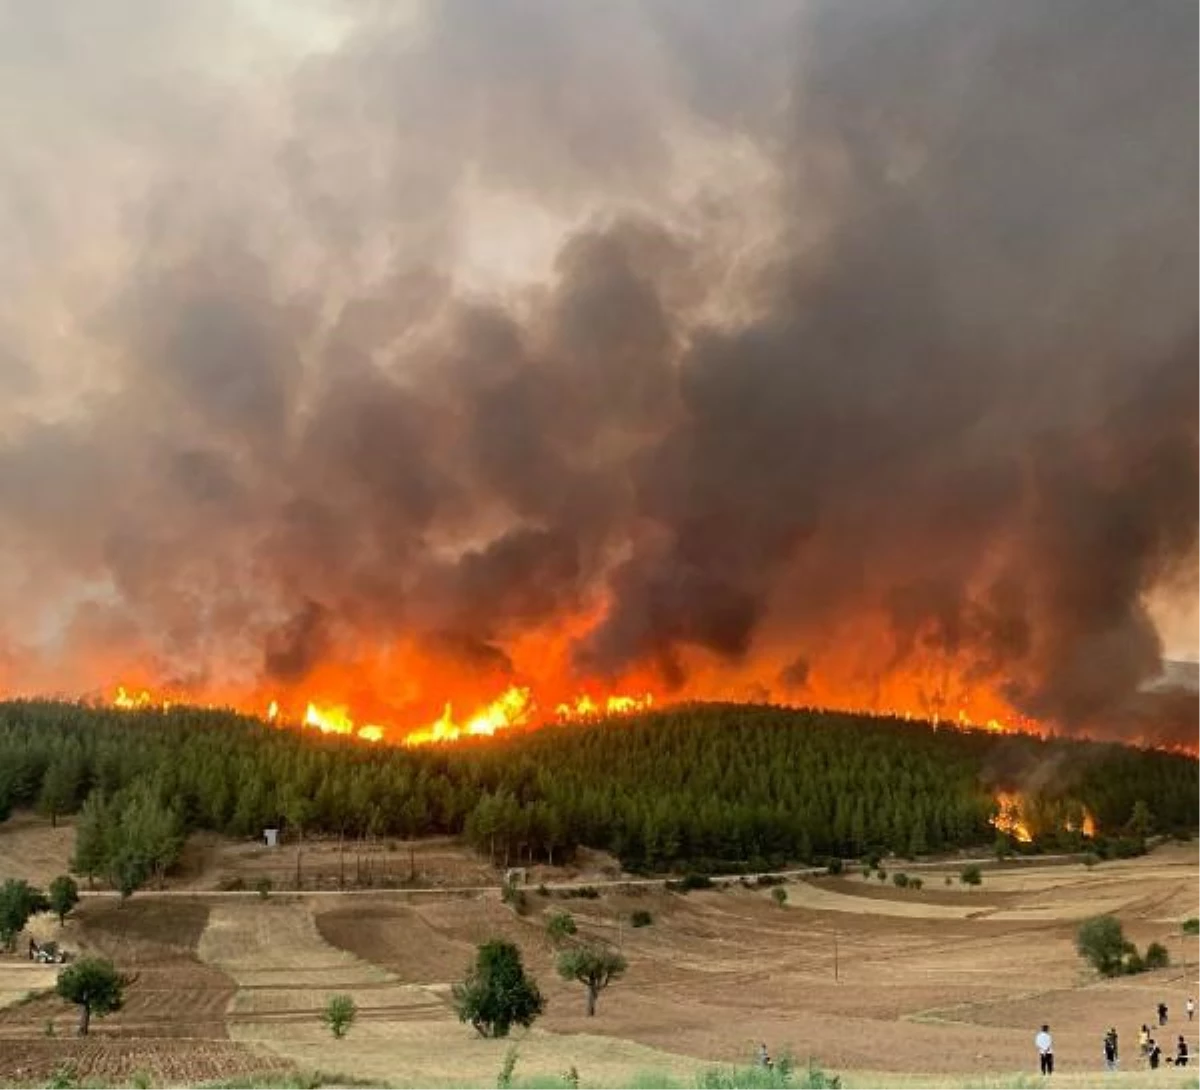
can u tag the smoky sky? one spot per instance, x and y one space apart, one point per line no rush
736 330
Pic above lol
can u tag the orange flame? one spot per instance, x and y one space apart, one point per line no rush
1009 817
512 708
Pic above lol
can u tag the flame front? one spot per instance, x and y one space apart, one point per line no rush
1010 818
515 707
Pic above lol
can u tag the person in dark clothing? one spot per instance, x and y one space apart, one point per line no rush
1154 1055
1110 1053
1162 1014
1181 1052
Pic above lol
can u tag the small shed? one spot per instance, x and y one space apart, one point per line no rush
271 838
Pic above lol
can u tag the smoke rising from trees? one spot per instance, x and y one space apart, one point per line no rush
807 347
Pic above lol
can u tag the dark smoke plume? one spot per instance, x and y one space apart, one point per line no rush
807 342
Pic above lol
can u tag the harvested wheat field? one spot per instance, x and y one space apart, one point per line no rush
942 986
172 1029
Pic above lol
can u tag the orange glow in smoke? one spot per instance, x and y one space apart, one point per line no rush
408 691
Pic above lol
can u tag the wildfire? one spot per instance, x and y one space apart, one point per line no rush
584 707
513 708
124 699
1021 818
335 720
1010 818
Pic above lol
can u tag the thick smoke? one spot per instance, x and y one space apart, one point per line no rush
827 345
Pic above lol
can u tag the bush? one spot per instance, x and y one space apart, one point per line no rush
1101 941
971 875
866 871
641 918
916 883
881 874
588 893
836 866
1156 956
696 881
339 1015
264 886
900 880
780 896
1090 860
1191 926
1131 965
559 926
769 880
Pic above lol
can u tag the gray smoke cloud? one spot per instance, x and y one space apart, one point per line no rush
750 345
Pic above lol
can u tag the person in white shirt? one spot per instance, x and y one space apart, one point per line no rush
1191 1008
1045 1046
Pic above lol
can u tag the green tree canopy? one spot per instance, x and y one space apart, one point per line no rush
18 901
594 967
1101 940
63 896
95 986
497 994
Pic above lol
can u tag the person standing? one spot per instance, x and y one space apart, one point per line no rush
1045 1046
1154 1055
1162 1014
1110 1052
1191 1008
1181 1052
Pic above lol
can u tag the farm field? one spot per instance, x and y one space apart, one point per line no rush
939 987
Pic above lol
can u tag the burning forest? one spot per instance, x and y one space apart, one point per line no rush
420 371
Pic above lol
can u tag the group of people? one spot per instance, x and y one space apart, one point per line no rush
1148 1047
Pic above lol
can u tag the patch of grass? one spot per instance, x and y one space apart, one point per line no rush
1191 926
289 1080
654 1080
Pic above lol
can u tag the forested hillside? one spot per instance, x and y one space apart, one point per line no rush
702 786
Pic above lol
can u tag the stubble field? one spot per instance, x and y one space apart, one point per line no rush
943 986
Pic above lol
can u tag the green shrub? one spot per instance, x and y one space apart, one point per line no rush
641 918
881 874
1090 860
559 926
264 886
1101 941
900 880
1156 956
1191 926
339 1014
916 883
971 875
836 866
780 895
